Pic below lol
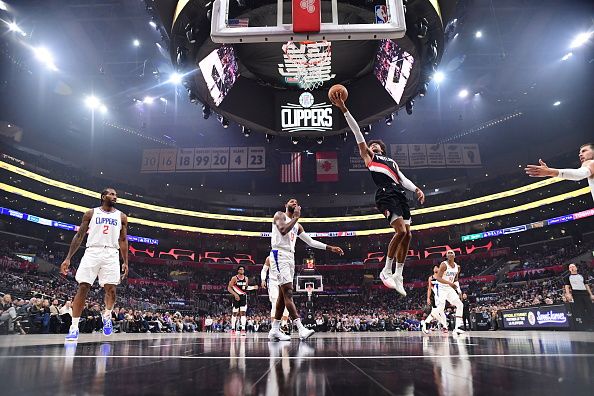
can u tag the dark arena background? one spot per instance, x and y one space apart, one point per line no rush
207 117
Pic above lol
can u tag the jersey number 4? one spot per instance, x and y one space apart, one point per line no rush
105 229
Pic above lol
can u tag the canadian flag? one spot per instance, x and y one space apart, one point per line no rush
327 166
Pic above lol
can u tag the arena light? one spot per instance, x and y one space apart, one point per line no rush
14 27
205 111
183 212
153 24
148 100
320 139
175 78
567 56
438 77
294 140
580 39
478 34
224 122
463 93
557 103
409 106
44 56
92 102
389 119
444 223
136 43
3 6
246 131
103 109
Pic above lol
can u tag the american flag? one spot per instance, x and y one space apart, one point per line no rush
290 168
238 22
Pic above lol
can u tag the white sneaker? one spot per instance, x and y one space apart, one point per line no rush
304 334
458 331
399 284
387 279
277 335
424 327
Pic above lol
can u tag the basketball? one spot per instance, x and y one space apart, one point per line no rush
344 94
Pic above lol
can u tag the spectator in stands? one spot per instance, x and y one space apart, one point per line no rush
66 316
8 313
55 320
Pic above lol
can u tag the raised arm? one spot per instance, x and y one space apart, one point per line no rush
283 227
317 244
77 240
123 242
542 170
429 291
364 151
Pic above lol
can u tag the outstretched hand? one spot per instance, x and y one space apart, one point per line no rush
337 100
337 250
541 170
420 196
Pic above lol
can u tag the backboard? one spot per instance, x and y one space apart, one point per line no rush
314 281
307 20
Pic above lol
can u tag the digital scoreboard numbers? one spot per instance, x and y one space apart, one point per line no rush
204 159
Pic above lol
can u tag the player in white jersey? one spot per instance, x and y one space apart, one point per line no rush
586 171
449 288
432 295
107 228
285 232
273 291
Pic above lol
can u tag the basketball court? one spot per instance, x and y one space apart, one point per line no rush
485 363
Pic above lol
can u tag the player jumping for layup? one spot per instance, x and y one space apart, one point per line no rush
285 231
586 171
389 198
107 228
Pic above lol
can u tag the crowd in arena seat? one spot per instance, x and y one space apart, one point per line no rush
41 299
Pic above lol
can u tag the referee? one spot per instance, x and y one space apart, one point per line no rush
577 292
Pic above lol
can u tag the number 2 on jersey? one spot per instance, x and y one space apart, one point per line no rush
106 229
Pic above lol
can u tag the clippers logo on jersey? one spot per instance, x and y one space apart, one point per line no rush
106 220
104 229
384 170
306 116
316 57
450 274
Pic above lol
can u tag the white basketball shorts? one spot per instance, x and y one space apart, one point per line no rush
102 263
282 267
445 293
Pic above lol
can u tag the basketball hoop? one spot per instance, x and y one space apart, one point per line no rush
311 60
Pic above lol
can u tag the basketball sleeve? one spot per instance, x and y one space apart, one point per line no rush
354 127
575 174
312 242
263 273
410 186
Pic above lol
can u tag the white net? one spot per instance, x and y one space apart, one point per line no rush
309 62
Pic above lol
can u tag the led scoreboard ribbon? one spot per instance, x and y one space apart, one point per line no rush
530 226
